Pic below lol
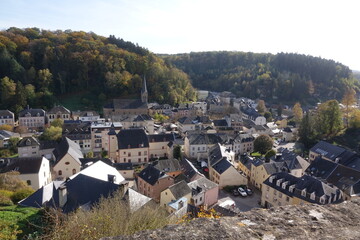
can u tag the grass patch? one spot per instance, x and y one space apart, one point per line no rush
256 154
24 219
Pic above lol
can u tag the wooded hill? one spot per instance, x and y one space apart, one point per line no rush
284 77
38 66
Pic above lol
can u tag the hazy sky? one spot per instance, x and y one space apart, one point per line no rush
329 29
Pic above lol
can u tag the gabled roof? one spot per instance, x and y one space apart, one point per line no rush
142 118
59 109
291 160
250 112
188 169
136 200
220 123
5 114
132 138
167 165
68 146
32 112
327 150
321 168
28 141
123 166
85 162
151 175
180 189
22 165
204 138
6 134
127 104
345 178
273 167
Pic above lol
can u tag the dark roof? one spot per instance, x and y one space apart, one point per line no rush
33 112
44 196
127 104
123 166
327 150
273 167
246 161
180 189
344 178
112 130
67 146
287 129
257 162
290 159
167 165
49 144
220 123
132 138
151 175
204 138
21 165
142 117
215 154
6 134
168 137
307 183
28 141
5 114
222 165
251 112
321 168
188 169
60 109
86 190
186 120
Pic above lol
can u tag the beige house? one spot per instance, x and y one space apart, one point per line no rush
151 182
284 189
7 118
100 137
34 171
173 193
144 121
59 112
126 170
30 147
32 118
159 145
260 171
221 168
67 159
197 145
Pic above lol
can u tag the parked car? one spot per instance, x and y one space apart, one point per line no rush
249 191
235 192
242 192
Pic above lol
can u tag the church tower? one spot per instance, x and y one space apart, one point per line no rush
144 92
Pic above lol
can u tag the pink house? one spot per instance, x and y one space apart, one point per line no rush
204 192
151 182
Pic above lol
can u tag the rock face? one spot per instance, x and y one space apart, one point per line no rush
341 221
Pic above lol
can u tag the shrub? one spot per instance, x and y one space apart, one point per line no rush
8 231
21 194
5 200
110 217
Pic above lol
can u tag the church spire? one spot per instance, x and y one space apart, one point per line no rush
144 92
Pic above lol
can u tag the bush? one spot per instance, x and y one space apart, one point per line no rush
21 194
5 200
110 217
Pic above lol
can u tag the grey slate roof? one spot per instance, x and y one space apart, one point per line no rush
203 183
168 137
220 123
204 138
28 141
6 114
33 112
327 150
67 146
123 166
188 169
222 166
310 184
21 165
167 165
273 167
132 138
59 109
151 175
180 189
321 168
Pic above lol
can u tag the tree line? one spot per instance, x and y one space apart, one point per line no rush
38 66
284 77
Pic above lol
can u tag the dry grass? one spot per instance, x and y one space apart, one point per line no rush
110 217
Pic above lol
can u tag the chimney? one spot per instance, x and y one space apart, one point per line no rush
62 196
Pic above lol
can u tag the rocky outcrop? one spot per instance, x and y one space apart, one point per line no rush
341 221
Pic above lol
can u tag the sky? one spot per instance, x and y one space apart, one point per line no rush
327 29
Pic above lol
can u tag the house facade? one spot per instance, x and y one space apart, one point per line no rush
203 192
59 112
32 118
7 118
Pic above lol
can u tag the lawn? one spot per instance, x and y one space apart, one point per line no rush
256 154
27 219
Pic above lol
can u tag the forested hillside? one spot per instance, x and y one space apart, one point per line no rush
282 77
37 67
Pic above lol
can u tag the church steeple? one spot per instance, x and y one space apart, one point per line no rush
144 92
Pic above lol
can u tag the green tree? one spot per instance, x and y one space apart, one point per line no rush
7 90
270 154
263 144
298 112
306 133
261 107
13 141
52 133
355 119
44 79
329 118
268 116
57 123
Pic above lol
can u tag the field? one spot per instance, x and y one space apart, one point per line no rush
20 220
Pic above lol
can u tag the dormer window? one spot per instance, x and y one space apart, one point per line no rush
303 193
271 179
322 200
278 182
291 188
284 184
312 196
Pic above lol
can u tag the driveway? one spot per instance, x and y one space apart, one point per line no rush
242 203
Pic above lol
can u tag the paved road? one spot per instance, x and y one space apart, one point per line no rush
242 203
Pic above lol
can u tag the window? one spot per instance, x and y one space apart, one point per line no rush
67 163
60 173
28 182
139 160
200 198
139 153
145 159
124 159
74 171
287 199
129 154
